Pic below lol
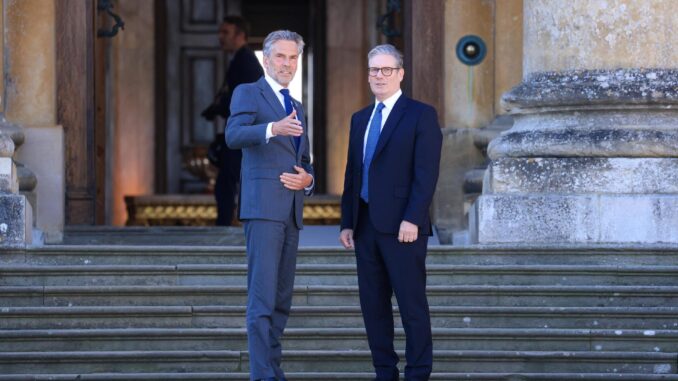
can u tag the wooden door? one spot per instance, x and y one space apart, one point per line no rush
191 69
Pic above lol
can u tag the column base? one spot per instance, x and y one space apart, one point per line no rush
588 218
16 221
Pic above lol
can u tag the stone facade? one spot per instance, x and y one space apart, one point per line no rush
592 154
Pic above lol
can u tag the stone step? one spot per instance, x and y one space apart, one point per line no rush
154 235
124 362
214 339
336 361
468 255
477 295
340 376
332 274
654 318
493 361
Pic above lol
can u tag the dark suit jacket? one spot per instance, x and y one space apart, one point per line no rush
262 194
404 169
243 68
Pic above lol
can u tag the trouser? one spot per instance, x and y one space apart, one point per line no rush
386 266
271 261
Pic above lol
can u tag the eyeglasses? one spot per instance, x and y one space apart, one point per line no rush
386 71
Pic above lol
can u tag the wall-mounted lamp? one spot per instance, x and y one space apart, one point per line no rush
471 50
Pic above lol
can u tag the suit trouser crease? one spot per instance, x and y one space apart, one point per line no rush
271 260
386 266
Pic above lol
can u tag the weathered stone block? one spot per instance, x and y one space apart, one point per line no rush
584 175
15 221
559 218
8 176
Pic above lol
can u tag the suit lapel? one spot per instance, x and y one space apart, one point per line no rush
361 122
271 98
391 124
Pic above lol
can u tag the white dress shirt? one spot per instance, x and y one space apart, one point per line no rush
385 112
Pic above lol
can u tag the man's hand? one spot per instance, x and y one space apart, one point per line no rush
296 181
408 232
346 238
288 126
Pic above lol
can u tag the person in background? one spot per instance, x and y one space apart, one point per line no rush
243 68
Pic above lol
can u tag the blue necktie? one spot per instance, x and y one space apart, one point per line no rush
372 140
287 99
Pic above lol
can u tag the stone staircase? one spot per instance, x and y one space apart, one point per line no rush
143 312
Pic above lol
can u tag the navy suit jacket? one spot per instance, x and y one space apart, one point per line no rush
404 169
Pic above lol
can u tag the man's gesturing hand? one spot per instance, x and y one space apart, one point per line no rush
346 238
288 126
296 181
408 232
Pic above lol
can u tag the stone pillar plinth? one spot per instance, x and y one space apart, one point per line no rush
15 211
593 154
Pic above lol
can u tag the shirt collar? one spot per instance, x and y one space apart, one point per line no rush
390 101
274 85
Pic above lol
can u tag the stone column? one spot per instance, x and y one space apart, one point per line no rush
593 154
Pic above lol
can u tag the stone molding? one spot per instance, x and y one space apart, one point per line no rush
594 89
568 141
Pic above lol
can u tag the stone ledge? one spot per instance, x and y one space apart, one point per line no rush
586 88
582 219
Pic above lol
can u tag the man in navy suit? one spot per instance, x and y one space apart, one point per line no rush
391 175
269 126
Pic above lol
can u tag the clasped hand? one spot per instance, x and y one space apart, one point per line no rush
296 181
288 126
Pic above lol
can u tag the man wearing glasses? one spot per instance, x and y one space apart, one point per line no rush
391 175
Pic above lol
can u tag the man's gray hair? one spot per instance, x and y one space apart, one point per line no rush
386 49
280 35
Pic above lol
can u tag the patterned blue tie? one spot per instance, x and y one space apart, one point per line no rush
372 139
288 110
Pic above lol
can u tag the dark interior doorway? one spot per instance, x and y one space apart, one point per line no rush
190 70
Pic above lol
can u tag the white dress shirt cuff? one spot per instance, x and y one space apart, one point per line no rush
269 131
